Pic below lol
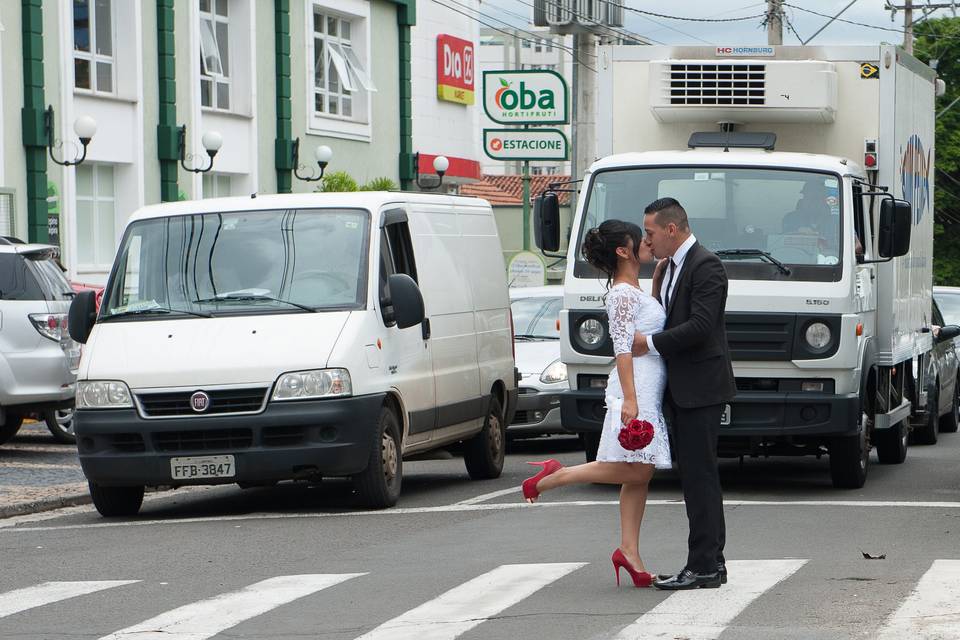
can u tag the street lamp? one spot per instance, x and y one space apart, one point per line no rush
323 154
211 140
85 127
440 165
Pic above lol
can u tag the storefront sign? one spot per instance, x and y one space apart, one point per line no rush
455 69
525 144
525 97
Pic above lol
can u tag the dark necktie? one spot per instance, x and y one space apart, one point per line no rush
666 293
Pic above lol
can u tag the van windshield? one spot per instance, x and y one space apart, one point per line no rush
241 263
794 217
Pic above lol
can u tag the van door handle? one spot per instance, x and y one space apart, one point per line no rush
425 328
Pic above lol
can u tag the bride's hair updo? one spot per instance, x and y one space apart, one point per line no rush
601 243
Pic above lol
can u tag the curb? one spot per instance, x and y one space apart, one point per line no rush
44 504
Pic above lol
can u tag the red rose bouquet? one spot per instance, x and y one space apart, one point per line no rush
636 435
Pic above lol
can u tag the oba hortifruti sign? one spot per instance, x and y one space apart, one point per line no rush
525 97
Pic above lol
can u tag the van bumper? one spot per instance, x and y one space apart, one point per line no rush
287 440
753 414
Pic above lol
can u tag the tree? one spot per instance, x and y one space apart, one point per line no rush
939 39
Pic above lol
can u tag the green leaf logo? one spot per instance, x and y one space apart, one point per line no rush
504 83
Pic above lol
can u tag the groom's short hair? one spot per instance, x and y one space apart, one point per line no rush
668 210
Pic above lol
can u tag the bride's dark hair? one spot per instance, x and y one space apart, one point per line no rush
601 243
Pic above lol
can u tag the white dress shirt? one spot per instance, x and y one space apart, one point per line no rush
677 260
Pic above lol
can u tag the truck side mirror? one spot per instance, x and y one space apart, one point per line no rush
83 314
546 215
948 332
896 223
407 301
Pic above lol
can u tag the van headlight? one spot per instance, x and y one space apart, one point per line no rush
591 332
818 336
556 372
319 383
92 394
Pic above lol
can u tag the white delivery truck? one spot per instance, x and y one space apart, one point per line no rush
253 340
809 170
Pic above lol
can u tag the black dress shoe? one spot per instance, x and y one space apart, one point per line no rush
687 579
722 570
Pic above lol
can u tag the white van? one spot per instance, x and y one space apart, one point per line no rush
253 340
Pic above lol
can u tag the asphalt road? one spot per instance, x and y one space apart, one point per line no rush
462 559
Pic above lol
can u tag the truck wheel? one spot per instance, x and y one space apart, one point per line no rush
927 433
113 502
591 443
850 458
11 426
483 454
60 424
949 421
379 484
892 443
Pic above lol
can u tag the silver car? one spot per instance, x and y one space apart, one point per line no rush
38 360
536 311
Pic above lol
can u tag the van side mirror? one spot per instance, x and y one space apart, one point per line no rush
948 332
546 227
896 223
83 314
406 300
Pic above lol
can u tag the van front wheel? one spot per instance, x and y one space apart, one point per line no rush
379 484
114 502
483 454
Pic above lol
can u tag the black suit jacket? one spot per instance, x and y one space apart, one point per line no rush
694 340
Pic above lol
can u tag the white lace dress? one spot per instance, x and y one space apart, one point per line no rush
630 310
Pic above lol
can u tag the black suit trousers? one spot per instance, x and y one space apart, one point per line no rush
695 434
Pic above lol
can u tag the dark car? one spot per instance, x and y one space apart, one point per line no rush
941 382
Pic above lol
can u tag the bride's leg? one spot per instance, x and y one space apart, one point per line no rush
596 472
633 502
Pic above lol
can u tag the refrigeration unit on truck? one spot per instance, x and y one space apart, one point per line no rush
809 171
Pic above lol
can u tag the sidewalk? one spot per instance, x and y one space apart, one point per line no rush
37 474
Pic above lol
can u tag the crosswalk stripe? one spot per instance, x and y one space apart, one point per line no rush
703 614
207 618
19 600
932 610
466 606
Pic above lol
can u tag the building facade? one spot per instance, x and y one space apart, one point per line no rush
270 76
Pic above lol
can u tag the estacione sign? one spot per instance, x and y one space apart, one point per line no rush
525 97
455 81
525 144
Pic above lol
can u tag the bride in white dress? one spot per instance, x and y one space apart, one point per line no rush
634 390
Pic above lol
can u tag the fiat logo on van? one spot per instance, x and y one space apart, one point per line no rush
199 402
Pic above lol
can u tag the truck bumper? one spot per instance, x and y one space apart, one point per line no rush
287 440
753 414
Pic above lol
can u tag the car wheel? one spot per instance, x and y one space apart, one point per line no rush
483 454
850 458
927 433
949 421
591 444
114 502
10 427
379 484
892 443
60 424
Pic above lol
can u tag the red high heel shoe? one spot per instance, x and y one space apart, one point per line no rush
530 484
640 578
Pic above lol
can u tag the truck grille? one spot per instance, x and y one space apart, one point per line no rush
756 336
718 84
203 440
177 403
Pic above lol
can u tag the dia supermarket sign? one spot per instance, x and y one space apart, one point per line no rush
525 144
525 97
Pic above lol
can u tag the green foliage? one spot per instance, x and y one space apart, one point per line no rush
940 39
340 181
380 184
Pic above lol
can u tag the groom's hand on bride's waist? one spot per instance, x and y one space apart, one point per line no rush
641 346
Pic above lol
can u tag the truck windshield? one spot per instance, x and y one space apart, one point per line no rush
792 216
239 263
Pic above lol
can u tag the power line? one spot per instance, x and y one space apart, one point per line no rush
622 33
686 19
661 25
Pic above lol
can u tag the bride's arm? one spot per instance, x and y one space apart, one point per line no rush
621 312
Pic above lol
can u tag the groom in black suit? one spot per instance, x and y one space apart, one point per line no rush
699 381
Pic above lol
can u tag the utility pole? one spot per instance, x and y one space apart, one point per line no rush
775 22
585 119
908 21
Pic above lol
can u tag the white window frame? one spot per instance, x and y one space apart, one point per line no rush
360 125
95 200
214 183
215 77
92 57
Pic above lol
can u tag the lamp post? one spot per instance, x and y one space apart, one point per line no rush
211 140
323 154
440 165
85 127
